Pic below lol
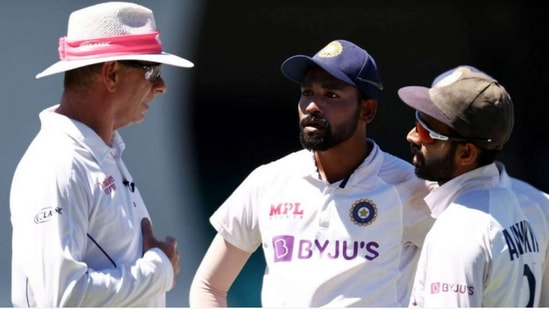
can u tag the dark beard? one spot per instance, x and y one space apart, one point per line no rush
440 169
326 137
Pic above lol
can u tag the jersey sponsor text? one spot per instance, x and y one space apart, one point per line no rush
286 210
45 214
286 248
442 287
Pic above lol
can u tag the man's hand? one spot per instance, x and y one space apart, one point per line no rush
169 246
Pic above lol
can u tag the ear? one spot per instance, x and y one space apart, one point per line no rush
369 109
467 154
109 74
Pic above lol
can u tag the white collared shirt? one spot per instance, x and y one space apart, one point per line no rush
488 246
350 243
76 227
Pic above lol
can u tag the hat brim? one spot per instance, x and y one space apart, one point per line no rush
418 98
67 65
295 68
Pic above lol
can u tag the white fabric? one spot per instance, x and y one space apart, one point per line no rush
491 231
76 228
316 254
110 19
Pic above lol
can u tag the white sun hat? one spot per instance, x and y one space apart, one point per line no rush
111 31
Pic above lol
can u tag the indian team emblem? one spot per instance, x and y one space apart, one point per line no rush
363 212
333 49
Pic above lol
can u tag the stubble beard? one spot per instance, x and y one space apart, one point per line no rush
325 137
438 169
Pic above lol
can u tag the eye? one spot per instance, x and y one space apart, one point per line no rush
331 95
306 92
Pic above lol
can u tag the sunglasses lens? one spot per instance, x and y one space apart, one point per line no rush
152 72
423 134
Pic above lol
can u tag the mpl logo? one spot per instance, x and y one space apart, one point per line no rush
286 210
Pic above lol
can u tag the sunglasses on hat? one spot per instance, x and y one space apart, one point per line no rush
428 135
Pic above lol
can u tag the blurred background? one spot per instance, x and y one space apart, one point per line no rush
234 110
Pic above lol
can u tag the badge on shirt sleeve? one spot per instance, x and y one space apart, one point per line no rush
363 212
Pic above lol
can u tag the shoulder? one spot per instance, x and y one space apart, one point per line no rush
290 163
534 202
399 172
525 190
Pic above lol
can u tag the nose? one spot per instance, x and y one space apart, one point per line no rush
159 85
309 106
412 137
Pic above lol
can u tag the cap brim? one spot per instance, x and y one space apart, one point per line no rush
295 68
418 98
67 65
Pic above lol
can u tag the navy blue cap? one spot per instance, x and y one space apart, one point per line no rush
343 60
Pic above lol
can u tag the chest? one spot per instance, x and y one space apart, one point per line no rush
326 218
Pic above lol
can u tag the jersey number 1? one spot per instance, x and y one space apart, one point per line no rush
531 284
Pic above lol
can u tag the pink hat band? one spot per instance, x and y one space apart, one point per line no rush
111 31
111 46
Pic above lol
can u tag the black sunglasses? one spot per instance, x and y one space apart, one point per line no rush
152 71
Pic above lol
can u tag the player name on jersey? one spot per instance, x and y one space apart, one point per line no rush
520 239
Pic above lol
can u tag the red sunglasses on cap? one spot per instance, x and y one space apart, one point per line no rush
428 135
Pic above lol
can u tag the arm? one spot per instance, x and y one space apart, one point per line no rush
82 280
78 252
216 273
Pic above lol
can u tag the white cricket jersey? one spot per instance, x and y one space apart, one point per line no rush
351 243
488 246
76 227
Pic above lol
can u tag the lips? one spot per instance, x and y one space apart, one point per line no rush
315 122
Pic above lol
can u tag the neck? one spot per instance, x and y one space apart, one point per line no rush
89 112
341 161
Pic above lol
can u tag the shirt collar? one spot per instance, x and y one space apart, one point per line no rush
81 134
487 176
364 175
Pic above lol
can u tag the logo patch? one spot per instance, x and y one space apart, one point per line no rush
45 214
331 50
108 185
363 212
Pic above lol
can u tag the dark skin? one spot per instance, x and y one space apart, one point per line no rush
342 106
337 137
441 160
114 97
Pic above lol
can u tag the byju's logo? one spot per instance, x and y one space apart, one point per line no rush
283 248
435 288
286 247
441 287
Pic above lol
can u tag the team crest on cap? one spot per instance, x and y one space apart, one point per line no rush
333 49
452 77
363 212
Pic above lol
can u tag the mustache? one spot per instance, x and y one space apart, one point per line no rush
414 149
314 121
